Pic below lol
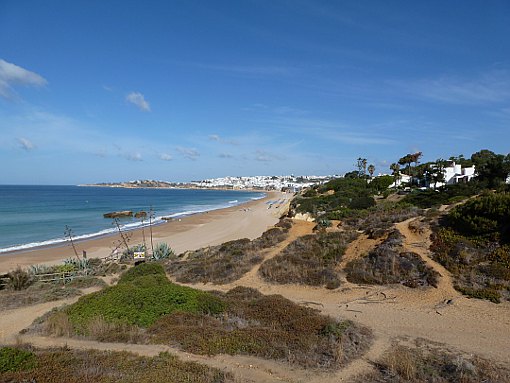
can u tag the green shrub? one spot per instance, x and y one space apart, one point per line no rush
141 270
487 216
15 359
363 202
480 266
486 293
141 297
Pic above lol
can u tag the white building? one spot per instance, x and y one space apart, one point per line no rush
402 179
455 174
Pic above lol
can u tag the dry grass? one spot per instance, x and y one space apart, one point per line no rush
427 363
36 293
74 366
58 324
309 260
98 328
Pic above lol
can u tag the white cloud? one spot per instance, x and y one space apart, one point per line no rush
11 75
333 131
250 70
217 138
485 88
139 101
265 156
25 144
133 156
189 153
165 157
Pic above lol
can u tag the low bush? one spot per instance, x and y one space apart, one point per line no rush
487 216
19 279
37 293
142 270
141 297
444 195
489 294
75 366
430 364
388 264
472 243
380 218
309 260
16 359
266 326
227 262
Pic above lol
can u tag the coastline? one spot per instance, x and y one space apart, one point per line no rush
247 220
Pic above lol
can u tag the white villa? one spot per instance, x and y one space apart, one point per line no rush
456 174
402 179
453 174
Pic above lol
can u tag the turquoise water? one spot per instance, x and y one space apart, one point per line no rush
33 216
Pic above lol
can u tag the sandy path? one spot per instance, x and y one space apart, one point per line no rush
419 243
15 320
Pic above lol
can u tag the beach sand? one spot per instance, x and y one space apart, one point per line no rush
248 220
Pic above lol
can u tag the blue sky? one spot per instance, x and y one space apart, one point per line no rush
95 91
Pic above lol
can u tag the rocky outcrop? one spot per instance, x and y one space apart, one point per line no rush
304 217
118 214
140 214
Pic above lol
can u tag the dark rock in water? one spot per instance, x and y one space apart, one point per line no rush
141 214
118 214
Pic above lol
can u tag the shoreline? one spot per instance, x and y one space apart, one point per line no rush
54 243
246 220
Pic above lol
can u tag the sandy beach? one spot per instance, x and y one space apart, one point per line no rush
248 220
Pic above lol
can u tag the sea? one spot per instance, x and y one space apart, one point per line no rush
32 216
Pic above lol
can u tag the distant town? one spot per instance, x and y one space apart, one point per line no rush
282 183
